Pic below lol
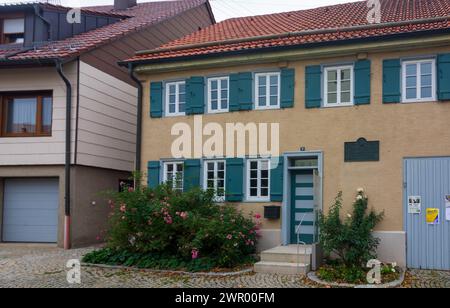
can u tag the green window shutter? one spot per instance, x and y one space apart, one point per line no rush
287 87
391 81
362 82
153 174
156 99
245 91
313 86
195 95
234 93
276 179
235 179
443 64
191 175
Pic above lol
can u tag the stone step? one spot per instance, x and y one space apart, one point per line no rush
282 268
289 254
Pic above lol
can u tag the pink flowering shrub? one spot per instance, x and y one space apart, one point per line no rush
186 227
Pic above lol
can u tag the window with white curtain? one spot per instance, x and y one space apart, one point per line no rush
173 174
13 31
26 115
258 180
419 80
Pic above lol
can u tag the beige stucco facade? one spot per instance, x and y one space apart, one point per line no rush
404 130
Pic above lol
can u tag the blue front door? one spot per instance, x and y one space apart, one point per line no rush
302 207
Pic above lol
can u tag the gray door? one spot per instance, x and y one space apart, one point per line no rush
428 245
30 210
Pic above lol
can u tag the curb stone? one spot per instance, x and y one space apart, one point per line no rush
313 277
209 274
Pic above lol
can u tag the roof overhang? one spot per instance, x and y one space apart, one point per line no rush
396 42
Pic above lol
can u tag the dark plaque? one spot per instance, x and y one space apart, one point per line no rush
362 150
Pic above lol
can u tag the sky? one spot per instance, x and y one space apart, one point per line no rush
224 9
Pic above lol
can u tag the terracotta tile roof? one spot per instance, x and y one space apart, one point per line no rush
324 24
140 16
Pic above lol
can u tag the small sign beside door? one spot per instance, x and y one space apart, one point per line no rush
432 216
414 204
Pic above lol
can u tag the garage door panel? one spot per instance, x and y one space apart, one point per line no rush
31 210
33 234
30 217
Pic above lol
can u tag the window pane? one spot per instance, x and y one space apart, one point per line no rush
211 175
172 108
345 97
224 94
411 70
274 80
210 166
179 167
224 84
182 107
170 167
172 99
265 183
332 87
22 115
221 166
345 74
221 175
224 104
254 165
411 82
254 192
47 110
12 26
332 75
172 89
262 80
426 80
425 68
253 183
345 86
254 174
214 85
214 105
426 92
264 192
273 100
411 93
214 95
182 88
262 101
274 90
264 174
332 98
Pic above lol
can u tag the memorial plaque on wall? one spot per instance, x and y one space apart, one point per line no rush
362 150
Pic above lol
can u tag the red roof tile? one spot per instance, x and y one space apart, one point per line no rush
324 24
142 15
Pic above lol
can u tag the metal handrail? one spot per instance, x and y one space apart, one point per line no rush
300 243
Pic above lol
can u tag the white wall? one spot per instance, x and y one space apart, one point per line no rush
107 121
39 150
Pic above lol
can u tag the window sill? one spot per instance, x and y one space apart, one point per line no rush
267 108
428 100
339 105
25 136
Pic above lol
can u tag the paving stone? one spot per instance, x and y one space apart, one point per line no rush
40 266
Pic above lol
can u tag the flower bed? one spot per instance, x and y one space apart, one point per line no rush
165 229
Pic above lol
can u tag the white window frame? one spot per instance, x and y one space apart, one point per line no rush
177 85
418 98
216 179
258 198
339 84
175 174
219 94
267 94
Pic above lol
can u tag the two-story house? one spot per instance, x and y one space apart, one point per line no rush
357 104
68 112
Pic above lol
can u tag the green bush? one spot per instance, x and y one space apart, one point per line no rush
351 239
167 229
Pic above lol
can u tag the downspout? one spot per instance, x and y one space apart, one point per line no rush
139 117
67 220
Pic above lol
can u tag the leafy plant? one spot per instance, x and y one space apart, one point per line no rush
351 239
166 228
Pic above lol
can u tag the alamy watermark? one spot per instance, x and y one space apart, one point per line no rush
74 272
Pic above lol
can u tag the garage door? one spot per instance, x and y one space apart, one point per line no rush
427 183
30 210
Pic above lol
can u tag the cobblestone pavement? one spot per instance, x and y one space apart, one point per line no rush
33 266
